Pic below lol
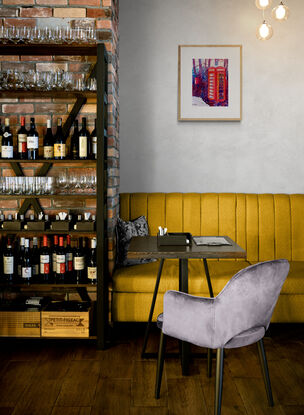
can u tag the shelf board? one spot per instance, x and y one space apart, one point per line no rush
53 161
55 196
47 94
49 49
47 338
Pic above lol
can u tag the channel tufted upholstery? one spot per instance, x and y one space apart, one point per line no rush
267 226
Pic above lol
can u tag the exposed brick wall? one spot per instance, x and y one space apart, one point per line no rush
102 14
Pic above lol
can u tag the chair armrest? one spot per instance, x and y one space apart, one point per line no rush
189 318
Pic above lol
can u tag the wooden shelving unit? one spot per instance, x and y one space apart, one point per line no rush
99 71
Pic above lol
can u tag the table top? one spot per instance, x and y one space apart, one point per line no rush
146 247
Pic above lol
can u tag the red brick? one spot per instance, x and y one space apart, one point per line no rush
86 2
50 66
107 3
21 67
58 108
17 2
98 13
52 2
36 58
65 58
8 172
36 12
82 23
9 204
9 12
20 22
35 100
45 203
67 203
90 203
104 24
11 58
63 12
20 108
79 67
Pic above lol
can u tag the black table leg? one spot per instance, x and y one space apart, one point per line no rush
160 268
183 286
208 278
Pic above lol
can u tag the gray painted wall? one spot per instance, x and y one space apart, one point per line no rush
262 153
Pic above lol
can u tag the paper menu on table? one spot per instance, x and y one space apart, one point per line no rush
211 240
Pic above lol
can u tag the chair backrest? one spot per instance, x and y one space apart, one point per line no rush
248 299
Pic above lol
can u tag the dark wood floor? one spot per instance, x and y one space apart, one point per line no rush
73 378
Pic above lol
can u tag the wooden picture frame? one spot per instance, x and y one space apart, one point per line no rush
209 82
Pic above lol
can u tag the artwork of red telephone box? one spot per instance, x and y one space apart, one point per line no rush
210 82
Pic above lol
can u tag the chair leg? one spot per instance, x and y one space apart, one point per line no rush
219 381
160 363
209 363
265 371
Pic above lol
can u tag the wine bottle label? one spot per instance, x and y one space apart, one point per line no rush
35 269
78 263
59 150
48 152
60 264
6 134
26 272
69 261
44 264
22 143
7 152
8 264
32 142
94 146
54 261
92 273
83 146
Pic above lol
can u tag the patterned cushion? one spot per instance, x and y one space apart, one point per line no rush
125 231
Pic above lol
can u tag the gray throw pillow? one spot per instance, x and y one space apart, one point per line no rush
124 232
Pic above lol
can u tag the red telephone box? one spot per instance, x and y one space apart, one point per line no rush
217 84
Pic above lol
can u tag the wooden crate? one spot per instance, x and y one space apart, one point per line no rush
65 323
20 323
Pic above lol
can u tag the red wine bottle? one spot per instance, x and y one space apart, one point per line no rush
79 263
94 142
35 260
8 262
32 142
48 142
60 260
7 148
84 141
45 261
69 259
74 152
26 267
92 263
59 142
54 256
22 140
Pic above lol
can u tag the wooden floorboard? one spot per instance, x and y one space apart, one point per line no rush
74 378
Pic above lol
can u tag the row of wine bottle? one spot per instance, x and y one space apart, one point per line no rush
83 144
59 262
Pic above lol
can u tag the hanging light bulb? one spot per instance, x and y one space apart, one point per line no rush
264 31
263 4
281 12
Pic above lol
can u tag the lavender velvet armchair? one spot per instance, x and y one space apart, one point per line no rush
238 316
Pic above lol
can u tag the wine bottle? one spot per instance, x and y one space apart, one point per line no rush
8 262
94 142
22 140
35 260
20 259
26 267
45 261
48 142
32 141
79 263
84 140
7 148
74 152
69 259
60 260
1 135
59 142
54 256
92 263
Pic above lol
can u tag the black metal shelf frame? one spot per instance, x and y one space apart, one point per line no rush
99 71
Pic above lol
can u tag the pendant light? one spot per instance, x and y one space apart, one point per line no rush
263 4
264 31
281 12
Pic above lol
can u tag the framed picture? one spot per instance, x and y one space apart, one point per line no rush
209 82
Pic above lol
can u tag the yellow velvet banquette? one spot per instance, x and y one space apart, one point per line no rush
267 226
